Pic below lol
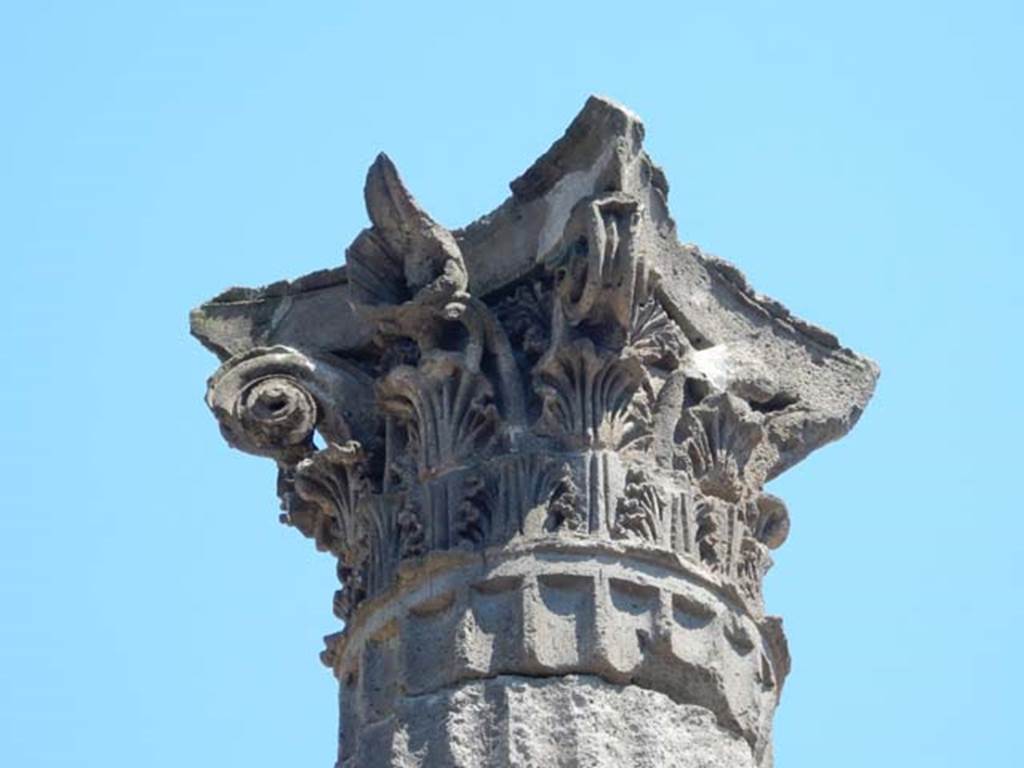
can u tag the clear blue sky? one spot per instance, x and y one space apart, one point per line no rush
861 163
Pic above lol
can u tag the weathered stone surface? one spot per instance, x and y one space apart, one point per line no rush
625 612
561 722
537 447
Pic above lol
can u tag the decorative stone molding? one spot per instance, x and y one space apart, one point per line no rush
537 448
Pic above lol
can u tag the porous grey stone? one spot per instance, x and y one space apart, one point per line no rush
561 722
542 446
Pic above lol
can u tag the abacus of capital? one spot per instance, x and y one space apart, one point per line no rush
537 448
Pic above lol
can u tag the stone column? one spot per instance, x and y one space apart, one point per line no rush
537 448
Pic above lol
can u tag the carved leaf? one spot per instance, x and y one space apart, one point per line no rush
718 438
593 399
639 512
333 480
333 483
524 486
654 336
407 255
447 411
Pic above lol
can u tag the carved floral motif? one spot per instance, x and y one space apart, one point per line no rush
333 481
446 409
591 398
654 337
641 509
445 448
718 438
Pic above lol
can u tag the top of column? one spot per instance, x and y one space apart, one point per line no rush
450 390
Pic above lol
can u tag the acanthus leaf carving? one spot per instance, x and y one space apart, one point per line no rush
410 281
593 399
640 512
332 482
455 453
519 493
446 409
607 330
733 540
654 336
718 438
407 271
547 435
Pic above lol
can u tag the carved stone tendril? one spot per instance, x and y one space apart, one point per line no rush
262 404
599 272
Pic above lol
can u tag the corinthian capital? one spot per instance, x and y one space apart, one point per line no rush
537 447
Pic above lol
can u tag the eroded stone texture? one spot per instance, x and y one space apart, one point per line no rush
561 722
542 445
